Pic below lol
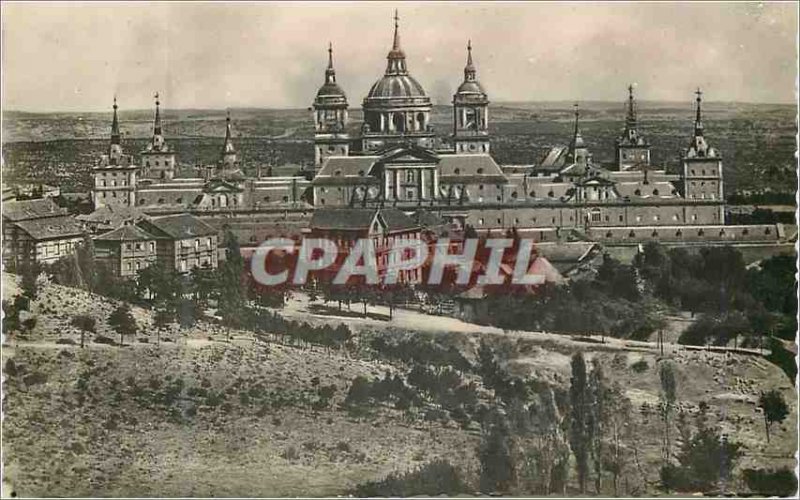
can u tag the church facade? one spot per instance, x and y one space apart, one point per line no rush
396 160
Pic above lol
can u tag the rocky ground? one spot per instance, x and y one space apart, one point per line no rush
199 415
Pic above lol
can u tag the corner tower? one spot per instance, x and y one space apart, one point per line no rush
330 118
115 173
158 160
702 164
470 112
632 150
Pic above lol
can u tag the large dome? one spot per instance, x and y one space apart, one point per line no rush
403 85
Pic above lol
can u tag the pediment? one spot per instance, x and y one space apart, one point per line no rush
409 154
221 186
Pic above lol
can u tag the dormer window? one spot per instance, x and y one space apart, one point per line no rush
480 171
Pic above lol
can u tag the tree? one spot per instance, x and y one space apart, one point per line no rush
580 431
599 401
122 321
774 408
84 323
620 426
498 470
668 394
704 459
29 273
161 320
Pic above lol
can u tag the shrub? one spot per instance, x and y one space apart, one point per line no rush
640 366
290 453
780 482
435 478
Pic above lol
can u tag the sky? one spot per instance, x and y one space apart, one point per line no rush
77 56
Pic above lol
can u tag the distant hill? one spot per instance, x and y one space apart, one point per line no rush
757 140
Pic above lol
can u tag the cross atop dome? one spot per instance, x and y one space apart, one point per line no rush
396 58
330 73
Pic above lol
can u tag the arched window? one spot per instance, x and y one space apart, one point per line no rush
398 122
420 121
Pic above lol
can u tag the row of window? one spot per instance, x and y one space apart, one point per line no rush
102 183
679 233
140 246
156 163
596 216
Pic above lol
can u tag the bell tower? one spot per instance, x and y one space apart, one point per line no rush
702 165
470 112
158 159
330 118
632 149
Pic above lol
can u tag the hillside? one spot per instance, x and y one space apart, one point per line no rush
205 415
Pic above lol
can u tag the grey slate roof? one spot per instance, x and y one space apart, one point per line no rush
346 219
469 165
347 166
359 219
126 233
14 211
181 226
49 228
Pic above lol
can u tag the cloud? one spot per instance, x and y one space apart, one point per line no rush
200 55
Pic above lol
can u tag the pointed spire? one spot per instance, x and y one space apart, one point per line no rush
157 120
396 42
698 120
577 140
330 73
396 59
576 132
227 147
115 137
469 69
630 120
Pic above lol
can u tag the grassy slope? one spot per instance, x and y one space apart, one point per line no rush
126 438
